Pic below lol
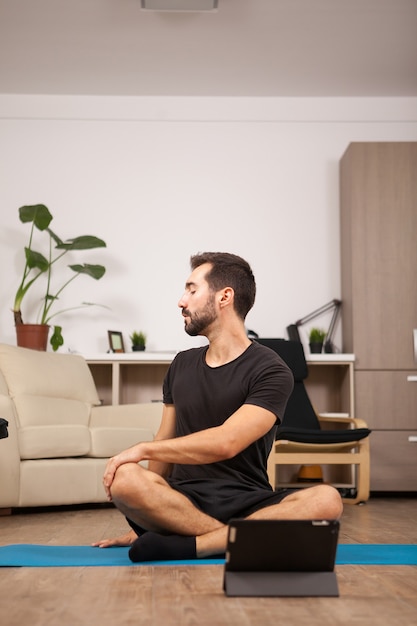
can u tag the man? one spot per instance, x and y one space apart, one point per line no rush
222 402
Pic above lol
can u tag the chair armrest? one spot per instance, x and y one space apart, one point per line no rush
353 422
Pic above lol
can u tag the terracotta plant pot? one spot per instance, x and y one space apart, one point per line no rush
34 336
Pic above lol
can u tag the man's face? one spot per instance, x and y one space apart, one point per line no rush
198 303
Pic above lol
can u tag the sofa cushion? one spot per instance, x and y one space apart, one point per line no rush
144 415
47 374
115 428
41 411
108 441
50 442
52 393
62 424
52 482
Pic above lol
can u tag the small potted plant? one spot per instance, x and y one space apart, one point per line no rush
316 339
138 341
37 265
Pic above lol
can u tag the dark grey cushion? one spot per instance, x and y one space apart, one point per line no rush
302 435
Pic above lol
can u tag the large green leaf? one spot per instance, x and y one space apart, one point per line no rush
36 259
37 213
55 237
85 242
95 271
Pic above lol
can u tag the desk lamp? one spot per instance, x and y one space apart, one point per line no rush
292 329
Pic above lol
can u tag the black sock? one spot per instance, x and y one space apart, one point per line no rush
156 547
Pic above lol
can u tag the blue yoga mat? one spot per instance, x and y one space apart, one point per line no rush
32 555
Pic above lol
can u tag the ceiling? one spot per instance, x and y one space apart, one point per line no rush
277 48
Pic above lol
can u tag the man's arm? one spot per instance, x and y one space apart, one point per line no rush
248 424
165 431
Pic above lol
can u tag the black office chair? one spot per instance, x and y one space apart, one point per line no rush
301 440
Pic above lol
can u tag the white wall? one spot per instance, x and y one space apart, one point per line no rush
161 179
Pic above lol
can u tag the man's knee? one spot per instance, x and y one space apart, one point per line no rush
320 502
129 477
330 501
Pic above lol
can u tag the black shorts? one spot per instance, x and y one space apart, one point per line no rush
225 500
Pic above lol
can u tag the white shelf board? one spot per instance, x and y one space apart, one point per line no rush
330 358
126 357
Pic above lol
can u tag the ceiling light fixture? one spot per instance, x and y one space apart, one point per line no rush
179 5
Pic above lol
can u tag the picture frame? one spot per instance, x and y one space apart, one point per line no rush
116 341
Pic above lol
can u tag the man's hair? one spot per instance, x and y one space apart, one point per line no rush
229 270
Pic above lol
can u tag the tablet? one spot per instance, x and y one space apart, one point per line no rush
281 558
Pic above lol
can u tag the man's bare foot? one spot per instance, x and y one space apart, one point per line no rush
124 540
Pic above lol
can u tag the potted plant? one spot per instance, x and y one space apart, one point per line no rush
37 265
316 339
138 341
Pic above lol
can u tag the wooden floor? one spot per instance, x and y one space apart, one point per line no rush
165 596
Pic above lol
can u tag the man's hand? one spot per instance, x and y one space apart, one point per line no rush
124 540
131 455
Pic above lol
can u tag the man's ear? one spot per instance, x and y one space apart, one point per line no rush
226 296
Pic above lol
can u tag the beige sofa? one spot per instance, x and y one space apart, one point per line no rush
59 436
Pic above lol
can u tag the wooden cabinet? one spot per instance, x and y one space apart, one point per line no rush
389 398
330 383
393 460
131 377
378 183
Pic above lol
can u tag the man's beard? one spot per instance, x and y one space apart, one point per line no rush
199 321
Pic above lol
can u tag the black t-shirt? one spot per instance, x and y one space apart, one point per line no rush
204 397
